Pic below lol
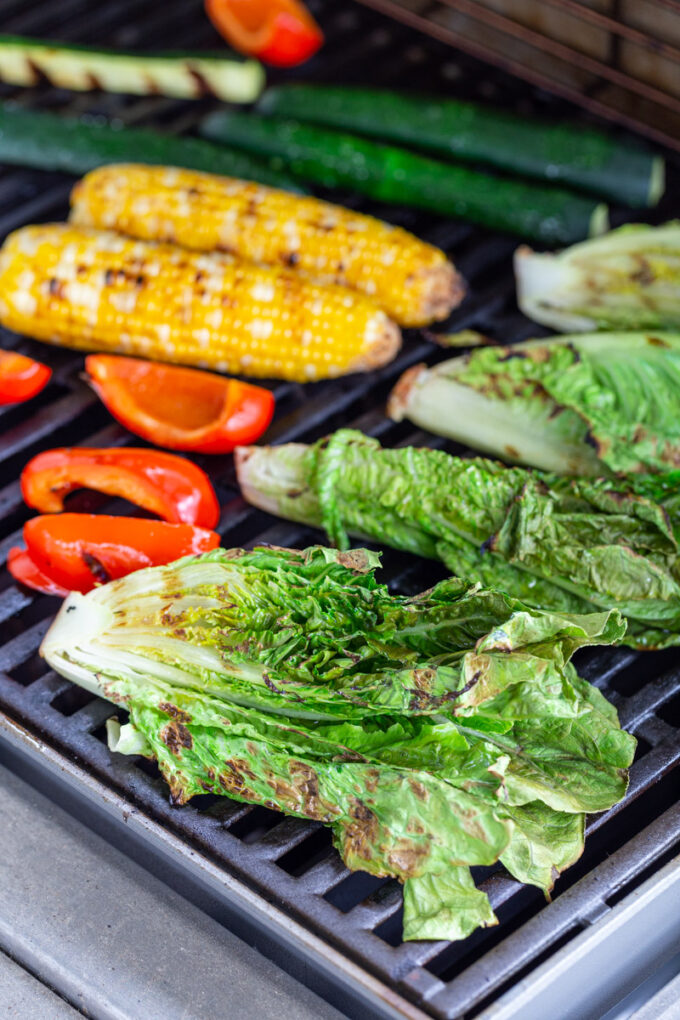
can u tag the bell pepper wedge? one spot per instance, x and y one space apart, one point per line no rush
169 486
27 572
180 408
21 377
281 33
79 551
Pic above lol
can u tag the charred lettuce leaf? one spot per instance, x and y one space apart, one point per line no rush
433 734
626 279
601 403
565 545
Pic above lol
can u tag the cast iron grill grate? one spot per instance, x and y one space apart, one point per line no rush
289 861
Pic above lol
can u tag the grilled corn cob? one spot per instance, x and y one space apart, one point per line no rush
410 280
98 290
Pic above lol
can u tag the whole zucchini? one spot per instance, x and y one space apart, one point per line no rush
227 76
50 142
571 154
395 175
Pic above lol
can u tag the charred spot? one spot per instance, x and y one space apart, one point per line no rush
592 441
56 288
361 832
110 277
177 796
510 353
94 565
175 736
81 270
150 85
306 780
655 341
203 86
354 756
406 857
371 780
417 789
290 258
489 544
424 678
200 275
511 451
355 559
140 280
644 274
194 192
177 713
37 72
420 701
270 684
556 411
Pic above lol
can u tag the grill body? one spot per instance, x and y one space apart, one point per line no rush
339 932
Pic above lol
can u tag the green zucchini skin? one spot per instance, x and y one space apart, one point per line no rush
389 174
569 154
47 141
25 61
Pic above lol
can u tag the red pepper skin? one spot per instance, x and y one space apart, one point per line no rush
20 377
180 408
279 32
169 486
79 551
26 571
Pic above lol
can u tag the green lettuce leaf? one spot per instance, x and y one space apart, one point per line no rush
627 279
445 906
594 404
562 545
432 734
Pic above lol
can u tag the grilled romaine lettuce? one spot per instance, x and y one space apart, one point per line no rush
627 279
587 404
566 545
432 733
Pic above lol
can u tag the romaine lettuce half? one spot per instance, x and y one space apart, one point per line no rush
432 733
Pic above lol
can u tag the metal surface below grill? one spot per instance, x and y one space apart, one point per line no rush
277 879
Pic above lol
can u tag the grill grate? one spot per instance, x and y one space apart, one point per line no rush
289 861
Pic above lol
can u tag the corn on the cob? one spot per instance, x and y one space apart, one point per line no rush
410 280
98 290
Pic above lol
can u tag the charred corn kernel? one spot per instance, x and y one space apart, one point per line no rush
97 290
410 280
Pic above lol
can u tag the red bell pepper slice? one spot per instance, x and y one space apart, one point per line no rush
180 408
279 32
169 486
80 550
21 377
27 572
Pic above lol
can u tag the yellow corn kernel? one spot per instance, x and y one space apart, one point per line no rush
97 290
413 282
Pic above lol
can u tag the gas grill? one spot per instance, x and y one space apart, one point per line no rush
277 881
